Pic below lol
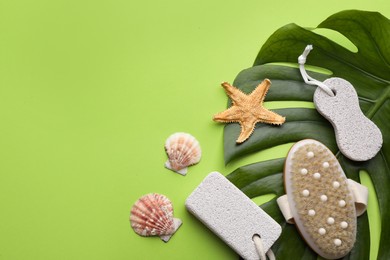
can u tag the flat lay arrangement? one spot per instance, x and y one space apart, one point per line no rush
194 130
323 196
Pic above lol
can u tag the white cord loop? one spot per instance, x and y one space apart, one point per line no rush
309 80
260 249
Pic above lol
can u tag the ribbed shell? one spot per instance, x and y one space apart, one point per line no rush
183 150
152 215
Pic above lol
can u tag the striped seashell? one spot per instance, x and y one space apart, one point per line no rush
183 150
152 215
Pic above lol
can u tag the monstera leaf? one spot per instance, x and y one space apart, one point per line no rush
368 70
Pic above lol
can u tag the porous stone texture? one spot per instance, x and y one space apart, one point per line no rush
358 138
231 215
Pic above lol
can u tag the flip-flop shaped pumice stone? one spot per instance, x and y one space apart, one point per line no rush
358 138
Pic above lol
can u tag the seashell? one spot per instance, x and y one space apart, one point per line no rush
183 150
152 215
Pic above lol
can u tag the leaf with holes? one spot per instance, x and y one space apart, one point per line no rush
368 70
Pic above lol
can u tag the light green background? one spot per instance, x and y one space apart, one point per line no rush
90 90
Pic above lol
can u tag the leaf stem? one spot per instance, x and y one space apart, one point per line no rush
379 102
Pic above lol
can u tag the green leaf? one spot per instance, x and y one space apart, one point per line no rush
368 70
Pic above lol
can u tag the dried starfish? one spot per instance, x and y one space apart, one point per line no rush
248 110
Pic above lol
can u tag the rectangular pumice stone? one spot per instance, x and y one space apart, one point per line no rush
231 215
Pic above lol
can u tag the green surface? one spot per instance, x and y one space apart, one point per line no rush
90 90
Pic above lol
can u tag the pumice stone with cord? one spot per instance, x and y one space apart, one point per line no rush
357 137
232 216
320 200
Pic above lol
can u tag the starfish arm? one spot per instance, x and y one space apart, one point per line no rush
259 93
247 129
229 115
234 93
269 117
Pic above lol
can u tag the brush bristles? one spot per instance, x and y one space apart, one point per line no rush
323 201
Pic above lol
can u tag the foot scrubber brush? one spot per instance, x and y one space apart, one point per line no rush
320 200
